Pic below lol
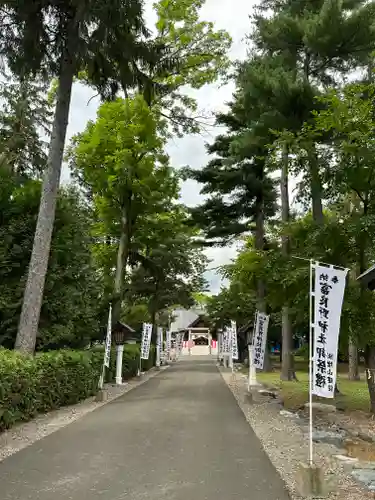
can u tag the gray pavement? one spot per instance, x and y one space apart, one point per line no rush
179 436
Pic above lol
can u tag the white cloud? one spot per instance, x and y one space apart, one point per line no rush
233 16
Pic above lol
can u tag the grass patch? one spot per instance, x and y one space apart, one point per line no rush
354 395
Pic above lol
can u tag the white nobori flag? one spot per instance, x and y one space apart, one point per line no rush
328 296
168 342
146 340
161 340
260 339
108 340
227 338
233 328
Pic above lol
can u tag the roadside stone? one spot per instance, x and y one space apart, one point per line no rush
321 407
365 437
289 414
349 460
365 476
248 398
329 437
365 466
267 392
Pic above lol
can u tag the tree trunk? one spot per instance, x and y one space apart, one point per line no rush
154 322
315 181
287 364
353 373
33 296
259 245
370 374
316 187
122 260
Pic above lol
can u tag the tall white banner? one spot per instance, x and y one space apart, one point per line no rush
146 340
226 338
329 295
180 342
161 341
234 346
220 340
168 345
161 335
260 339
108 340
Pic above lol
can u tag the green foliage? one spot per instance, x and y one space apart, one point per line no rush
172 264
37 385
303 352
70 309
32 385
25 112
120 160
194 54
201 51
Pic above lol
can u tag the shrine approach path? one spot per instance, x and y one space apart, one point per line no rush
179 436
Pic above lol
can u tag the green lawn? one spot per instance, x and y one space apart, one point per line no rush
354 395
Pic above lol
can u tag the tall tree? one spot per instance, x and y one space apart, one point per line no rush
58 38
301 34
349 118
73 287
171 264
121 161
24 116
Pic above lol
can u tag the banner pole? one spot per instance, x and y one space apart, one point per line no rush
311 346
252 375
107 348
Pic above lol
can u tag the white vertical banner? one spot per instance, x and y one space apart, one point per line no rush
159 337
108 340
162 343
180 342
328 294
146 340
260 339
234 340
221 344
226 336
168 345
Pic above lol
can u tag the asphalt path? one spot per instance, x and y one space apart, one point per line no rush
179 436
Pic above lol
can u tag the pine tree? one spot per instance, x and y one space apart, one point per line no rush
24 117
319 43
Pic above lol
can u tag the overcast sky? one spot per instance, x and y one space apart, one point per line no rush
232 15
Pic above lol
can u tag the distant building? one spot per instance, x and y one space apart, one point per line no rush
183 318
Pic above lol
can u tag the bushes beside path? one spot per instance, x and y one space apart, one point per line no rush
29 386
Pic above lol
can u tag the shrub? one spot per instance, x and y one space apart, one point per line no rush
303 352
32 385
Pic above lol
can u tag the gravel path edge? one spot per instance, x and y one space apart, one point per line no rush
286 445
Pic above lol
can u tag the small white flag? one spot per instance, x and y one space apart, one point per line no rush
146 340
233 327
227 341
161 340
168 342
260 339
